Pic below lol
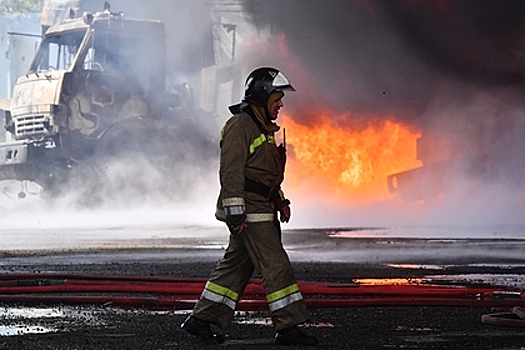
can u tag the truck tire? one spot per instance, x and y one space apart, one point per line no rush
135 160
135 139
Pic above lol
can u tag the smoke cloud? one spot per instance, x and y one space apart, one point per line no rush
392 56
455 69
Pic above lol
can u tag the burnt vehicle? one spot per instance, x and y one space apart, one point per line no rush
96 89
466 150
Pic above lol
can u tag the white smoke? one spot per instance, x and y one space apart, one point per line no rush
367 66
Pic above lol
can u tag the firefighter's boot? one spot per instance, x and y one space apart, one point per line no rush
201 329
294 336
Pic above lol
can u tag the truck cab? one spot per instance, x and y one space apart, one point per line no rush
96 82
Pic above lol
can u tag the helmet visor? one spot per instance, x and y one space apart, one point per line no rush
281 82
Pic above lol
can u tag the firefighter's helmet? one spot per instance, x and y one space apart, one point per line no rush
260 84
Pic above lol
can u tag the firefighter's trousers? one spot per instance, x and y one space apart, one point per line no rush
258 247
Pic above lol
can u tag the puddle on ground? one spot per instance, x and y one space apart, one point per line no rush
414 329
8 313
445 266
23 329
14 314
493 280
213 246
496 280
416 266
357 233
388 281
34 320
255 318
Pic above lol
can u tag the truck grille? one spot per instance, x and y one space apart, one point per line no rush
30 125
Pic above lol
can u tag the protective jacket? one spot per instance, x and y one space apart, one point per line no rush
249 155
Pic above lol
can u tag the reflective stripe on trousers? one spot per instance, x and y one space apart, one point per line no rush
220 295
284 297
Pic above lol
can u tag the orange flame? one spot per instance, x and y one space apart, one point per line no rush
350 161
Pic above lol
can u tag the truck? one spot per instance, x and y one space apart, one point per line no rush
467 152
96 91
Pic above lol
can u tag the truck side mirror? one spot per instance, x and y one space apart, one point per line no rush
9 125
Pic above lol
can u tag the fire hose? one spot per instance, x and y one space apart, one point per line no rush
179 293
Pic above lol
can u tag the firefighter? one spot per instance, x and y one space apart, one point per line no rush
251 203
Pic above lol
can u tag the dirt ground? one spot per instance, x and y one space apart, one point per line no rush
106 327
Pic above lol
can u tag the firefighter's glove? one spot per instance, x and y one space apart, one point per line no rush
281 202
285 213
235 215
283 207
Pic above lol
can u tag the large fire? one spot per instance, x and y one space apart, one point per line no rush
345 159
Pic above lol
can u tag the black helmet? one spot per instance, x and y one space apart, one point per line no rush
259 85
262 82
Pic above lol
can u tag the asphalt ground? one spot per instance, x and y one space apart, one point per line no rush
482 262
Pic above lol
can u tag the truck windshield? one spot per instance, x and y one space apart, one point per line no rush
57 52
118 53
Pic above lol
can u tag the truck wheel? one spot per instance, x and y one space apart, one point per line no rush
158 147
139 162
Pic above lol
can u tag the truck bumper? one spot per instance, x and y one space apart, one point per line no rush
14 152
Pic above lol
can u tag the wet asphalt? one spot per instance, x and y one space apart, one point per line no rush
319 255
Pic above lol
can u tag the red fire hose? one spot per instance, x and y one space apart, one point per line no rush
172 293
